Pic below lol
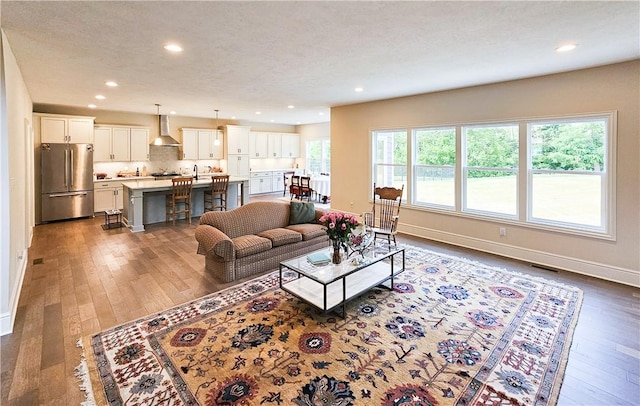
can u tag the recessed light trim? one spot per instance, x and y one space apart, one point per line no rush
172 112
173 48
359 89
92 106
258 112
111 83
566 48
291 106
100 97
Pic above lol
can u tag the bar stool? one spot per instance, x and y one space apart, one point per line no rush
180 196
215 198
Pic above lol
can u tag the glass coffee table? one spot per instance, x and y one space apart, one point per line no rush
330 286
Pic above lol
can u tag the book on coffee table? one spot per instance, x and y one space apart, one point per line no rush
319 258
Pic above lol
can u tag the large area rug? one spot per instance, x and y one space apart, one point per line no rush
450 332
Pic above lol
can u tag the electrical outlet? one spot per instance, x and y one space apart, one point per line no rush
503 232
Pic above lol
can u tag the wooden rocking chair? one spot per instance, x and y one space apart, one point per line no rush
382 220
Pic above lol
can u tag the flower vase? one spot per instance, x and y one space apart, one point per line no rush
337 252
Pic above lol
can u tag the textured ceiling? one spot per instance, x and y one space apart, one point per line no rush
243 57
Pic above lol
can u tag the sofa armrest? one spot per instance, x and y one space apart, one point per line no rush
210 238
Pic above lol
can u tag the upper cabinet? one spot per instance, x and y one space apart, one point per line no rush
237 140
200 143
290 145
111 144
120 143
56 128
258 144
139 144
274 145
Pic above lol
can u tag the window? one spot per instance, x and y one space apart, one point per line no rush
434 167
490 170
319 156
390 159
552 173
568 172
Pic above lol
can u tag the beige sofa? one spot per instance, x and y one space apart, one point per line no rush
255 238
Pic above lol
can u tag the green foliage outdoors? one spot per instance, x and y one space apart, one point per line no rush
576 146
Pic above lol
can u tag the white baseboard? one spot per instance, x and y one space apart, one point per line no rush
7 319
544 259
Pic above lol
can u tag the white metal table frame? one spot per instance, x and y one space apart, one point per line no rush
351 279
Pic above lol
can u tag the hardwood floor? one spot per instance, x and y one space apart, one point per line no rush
82 279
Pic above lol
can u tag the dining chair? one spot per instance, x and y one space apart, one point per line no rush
294 188
215 198
287 176
305 188
179 201
383 218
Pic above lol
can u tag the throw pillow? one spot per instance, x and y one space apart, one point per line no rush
302 212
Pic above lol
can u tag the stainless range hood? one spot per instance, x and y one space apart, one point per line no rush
164 139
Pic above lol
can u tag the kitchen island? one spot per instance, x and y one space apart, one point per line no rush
144 200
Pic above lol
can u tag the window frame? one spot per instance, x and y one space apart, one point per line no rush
523 170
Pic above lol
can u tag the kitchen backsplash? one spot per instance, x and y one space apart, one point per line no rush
160 159
166 159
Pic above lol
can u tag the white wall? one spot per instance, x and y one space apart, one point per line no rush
606 88
16 185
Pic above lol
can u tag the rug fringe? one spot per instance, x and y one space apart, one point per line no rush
82 374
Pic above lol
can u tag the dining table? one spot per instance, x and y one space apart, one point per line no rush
321 186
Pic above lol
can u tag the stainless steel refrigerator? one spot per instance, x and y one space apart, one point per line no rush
67 181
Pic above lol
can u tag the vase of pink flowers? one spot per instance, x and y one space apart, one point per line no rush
339 226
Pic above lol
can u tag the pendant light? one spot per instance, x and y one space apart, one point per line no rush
217 141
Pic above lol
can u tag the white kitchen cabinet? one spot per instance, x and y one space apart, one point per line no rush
207 148
111 144
260 182
237 138
290 145
199 143
275 145
139 144
66 129
238 165
107 195
277 181
258 144
189 143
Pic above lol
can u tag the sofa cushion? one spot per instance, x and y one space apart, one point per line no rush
309 231
250 244
281 236
302 212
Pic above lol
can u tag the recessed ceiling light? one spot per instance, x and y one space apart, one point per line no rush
100 97
358 89
173 48
291 106
92 106
111 83
297 122
321 113
272 120
172 112
233 117
566 48
258 112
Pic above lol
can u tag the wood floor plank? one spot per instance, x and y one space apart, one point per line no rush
93 279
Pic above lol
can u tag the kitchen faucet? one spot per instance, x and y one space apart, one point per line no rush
195 168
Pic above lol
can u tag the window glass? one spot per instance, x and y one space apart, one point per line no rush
434 168
568 172
491 169
390 163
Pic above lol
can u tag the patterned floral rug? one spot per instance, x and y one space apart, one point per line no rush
450 332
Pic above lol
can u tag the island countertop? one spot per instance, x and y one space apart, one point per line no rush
144 200
165 184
